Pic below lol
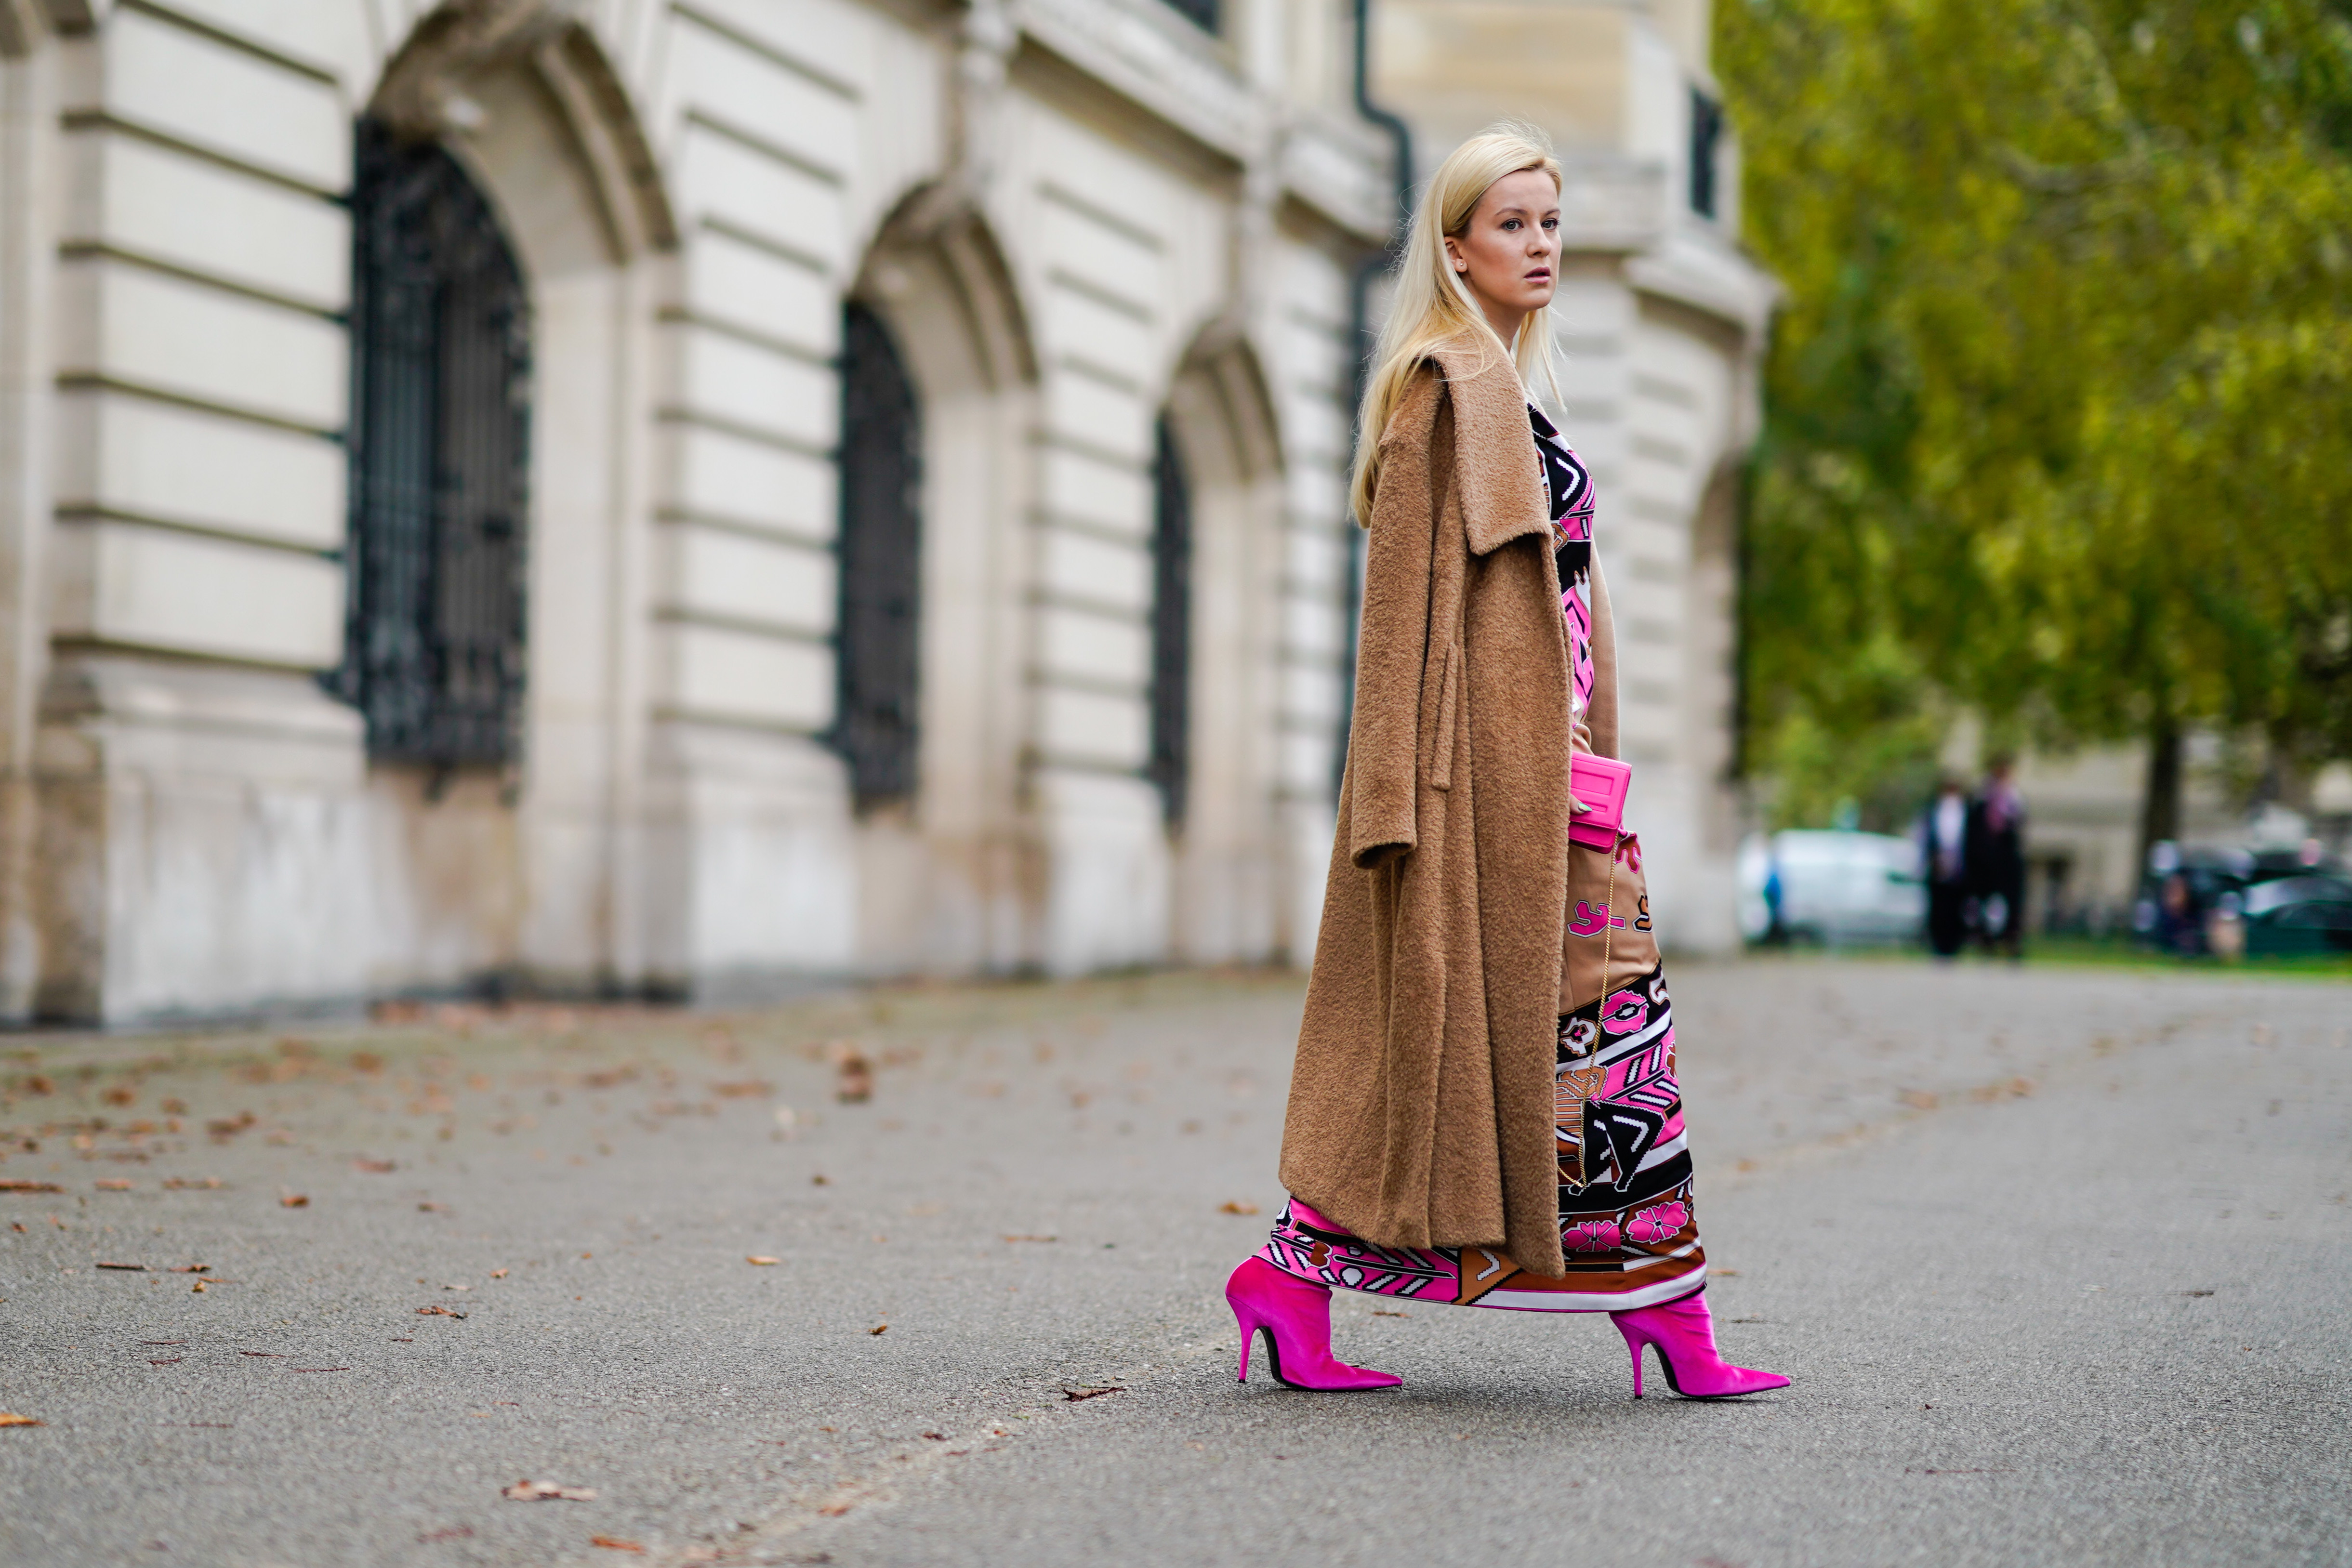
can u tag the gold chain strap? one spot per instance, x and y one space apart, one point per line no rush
1608 929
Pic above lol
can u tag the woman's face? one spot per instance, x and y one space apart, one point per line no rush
1509 255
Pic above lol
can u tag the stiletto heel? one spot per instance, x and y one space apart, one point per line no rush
1684 1331
1295 1316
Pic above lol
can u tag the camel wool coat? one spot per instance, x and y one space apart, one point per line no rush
1420 1106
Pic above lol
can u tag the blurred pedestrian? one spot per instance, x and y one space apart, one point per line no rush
1485 1109
1944 864
1995 854
2179 917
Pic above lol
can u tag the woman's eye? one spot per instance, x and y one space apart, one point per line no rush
1551 223
1509 225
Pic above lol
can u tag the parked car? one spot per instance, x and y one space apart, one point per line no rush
1836 888
2196 899
2298 915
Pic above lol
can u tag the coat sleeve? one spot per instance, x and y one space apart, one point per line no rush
1392 641
1601 717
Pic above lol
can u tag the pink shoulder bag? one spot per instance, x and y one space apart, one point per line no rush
1601 783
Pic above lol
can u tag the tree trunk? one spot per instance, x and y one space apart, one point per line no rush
2160 815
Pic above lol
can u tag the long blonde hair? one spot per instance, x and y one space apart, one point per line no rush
1433 304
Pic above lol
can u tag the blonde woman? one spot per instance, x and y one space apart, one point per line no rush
1485 1109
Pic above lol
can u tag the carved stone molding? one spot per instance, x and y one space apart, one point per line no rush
987 38
423 94
65 16
23 22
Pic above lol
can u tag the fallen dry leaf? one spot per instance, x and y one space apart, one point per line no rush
1919 1099
126 1268
1379 1314
181 1184
1075 1395
191 1268
819 1180
432 1209
294 1200
882 1329
318 1369
455 1532
9 1420
749 1090
1033 1239
374 1167
763 1262
853 1075
613 1543
937 1437
497 1273
437 1312
22 1183
1237 1209
113 1184
168 1361
156 1342
273 1354
546 1491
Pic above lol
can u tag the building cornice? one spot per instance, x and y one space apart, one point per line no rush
1154 59
1624 208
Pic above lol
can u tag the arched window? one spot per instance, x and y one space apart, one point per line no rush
880 548
440 447
1171 627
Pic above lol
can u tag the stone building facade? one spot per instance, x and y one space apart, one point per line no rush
427 433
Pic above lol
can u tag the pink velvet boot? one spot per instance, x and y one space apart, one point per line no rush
1296 1318
1684 1331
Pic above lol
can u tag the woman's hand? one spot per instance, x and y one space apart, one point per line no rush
1580 738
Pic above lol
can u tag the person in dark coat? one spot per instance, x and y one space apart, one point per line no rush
1995 857
1944 865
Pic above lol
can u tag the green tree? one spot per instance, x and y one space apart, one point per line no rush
2058 416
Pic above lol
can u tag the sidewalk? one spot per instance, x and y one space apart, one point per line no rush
521 1252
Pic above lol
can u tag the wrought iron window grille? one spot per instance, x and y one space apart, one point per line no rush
877 640
439 446
1706 127
1201 14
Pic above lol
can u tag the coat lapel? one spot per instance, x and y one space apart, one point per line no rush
1495 463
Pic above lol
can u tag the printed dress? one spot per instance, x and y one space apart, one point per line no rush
1628 1226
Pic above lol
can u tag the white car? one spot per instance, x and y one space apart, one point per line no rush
1831 887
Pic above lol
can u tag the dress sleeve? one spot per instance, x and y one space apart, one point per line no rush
1393 642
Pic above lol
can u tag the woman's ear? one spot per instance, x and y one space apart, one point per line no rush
1454 254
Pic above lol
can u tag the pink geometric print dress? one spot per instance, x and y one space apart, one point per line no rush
1628 1223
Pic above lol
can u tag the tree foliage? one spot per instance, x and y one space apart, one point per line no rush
2059 412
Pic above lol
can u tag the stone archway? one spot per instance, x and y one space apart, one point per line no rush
950 879
534 873
1232 860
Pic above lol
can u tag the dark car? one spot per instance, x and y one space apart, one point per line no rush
2283 902
2305 913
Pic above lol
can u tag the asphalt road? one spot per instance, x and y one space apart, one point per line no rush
2058 1259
